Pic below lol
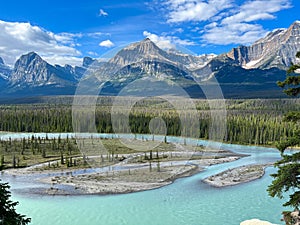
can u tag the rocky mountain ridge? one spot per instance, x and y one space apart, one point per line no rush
251 67
277 49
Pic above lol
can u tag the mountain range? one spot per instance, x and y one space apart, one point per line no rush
244 72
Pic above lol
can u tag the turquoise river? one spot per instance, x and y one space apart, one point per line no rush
187 201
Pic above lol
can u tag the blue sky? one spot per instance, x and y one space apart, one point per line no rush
64 31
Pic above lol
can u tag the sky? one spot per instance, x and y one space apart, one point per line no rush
65 31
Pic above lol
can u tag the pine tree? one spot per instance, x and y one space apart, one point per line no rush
44 153
8 214
62 161
287 179
14 163
1 162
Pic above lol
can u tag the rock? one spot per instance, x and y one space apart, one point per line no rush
256 222
5 71
236 176
1 61
292 216
87 61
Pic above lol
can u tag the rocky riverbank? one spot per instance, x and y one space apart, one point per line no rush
142 177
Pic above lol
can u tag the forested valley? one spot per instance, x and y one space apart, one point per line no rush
258 122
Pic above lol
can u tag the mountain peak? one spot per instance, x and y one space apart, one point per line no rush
29 57
32 54
295 25
145 50
29 68
87 61
297 22
144 46
146 40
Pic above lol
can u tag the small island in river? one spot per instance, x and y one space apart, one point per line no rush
237 175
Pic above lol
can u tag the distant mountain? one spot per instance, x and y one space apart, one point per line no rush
238 82
144 59
31 75
244 72
32 70
5 70
146 50
88 61
277 49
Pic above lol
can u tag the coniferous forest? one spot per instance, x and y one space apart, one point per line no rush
258 122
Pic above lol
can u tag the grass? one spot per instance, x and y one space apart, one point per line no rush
84 153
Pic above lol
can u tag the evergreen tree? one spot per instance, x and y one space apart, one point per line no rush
1 162
287 179
8 214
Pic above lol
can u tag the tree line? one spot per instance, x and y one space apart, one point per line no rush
248 121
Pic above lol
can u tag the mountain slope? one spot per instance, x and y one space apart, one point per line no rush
238 82
146 50
32 70
277 49
5 71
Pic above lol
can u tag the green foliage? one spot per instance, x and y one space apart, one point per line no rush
292 117
258 122
26 152
8 214
292 81
287 179
1 162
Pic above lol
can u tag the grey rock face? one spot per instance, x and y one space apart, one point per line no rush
32 70
88 61
147 51
277 49
5 70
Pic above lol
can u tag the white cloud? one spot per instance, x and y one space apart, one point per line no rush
62 60
66 38
179 30
107 44
93 53
97 34
238 33
191 10
161 42
238 24
166 42
102 13
257 10
19 38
